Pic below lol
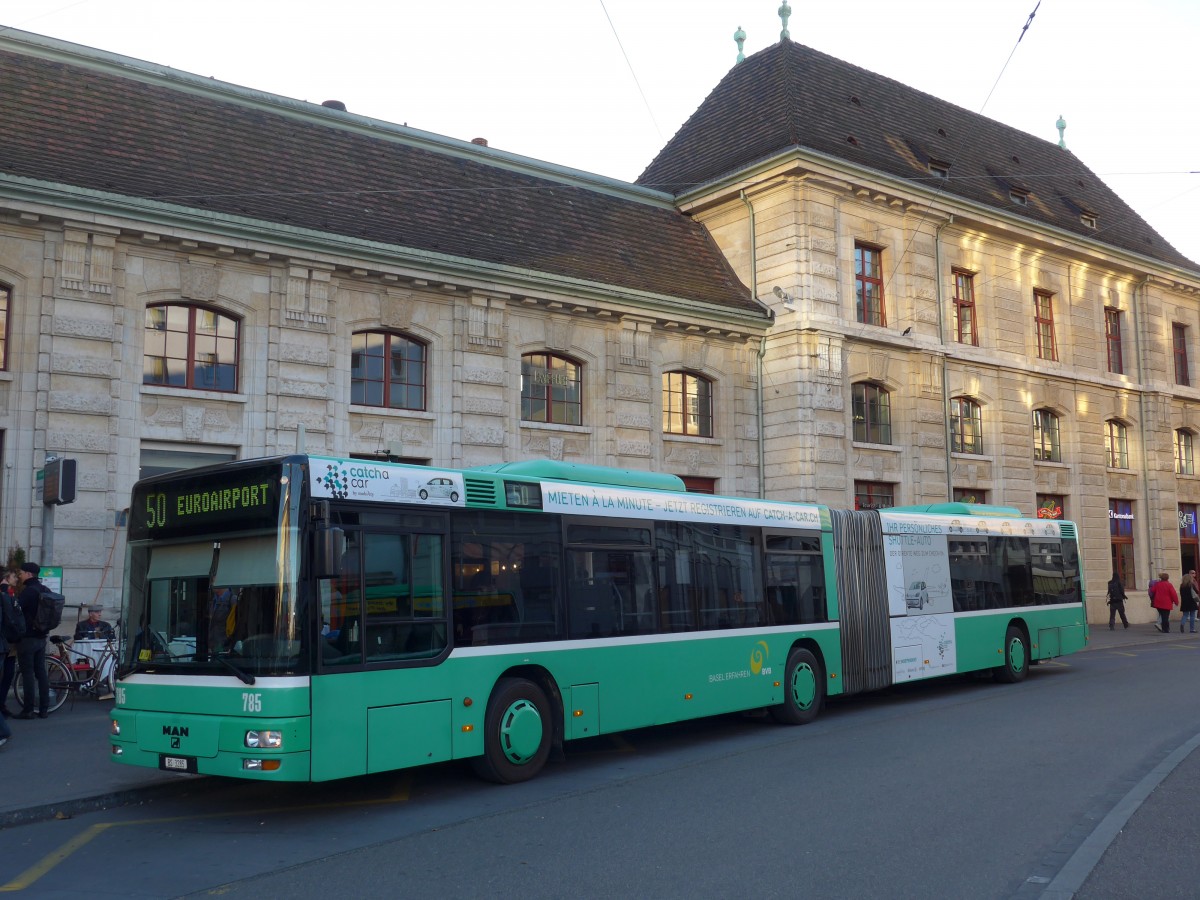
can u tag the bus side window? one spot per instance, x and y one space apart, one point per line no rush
592 600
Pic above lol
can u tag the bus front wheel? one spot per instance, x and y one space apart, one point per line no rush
517 731
1016 657
803 689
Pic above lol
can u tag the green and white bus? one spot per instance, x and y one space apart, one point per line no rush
306 618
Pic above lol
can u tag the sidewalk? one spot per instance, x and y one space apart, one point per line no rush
62 766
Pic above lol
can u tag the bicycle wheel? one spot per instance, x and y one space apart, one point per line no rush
61 680
104 678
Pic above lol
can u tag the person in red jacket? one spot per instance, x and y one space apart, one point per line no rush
1163 598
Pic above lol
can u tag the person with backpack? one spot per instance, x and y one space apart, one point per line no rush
31 657
1116 602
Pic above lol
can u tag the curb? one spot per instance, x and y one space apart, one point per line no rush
66 809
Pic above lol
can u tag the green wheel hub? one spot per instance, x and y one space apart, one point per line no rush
803 686
521 732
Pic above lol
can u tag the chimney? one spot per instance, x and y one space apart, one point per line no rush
335 104
482 142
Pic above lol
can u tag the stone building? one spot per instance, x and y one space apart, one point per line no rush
908 302
193 271
963 311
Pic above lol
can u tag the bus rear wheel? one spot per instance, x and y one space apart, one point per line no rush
517 732
803 689
1016 657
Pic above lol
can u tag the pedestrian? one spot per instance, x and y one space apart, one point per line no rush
13 633
1116 602
93 627
1164 598
32 656
1189 602
8 640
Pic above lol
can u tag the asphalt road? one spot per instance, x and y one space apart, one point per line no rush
959 788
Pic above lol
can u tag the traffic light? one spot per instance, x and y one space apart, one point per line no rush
58 484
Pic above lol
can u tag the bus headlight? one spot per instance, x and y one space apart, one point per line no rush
268 740
116 727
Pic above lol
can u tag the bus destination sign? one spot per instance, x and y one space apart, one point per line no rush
240 500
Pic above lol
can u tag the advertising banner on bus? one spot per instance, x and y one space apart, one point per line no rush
357 479
600 500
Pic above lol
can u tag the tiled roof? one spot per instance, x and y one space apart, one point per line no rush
791 96
88 125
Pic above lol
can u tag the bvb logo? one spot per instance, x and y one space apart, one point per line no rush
758 656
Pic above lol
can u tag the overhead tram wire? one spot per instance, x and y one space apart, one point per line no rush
961 140
649 111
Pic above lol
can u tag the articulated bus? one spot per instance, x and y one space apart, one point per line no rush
306 618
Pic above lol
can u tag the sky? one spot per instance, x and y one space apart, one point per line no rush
602 85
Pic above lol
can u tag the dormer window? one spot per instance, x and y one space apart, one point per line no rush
939 169
1018 196
1088 219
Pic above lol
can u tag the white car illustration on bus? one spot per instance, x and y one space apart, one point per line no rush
917 595
441 488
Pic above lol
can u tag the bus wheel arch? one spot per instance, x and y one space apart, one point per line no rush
1016 652
804 687
522 726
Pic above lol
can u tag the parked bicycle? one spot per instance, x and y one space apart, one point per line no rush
73 671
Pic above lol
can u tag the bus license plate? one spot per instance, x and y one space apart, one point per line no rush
177 764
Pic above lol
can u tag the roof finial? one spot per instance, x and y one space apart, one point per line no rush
785 12
740 37
1061 125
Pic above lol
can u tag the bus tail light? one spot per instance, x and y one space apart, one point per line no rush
116 727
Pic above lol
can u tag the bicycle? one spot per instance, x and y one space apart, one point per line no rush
72 671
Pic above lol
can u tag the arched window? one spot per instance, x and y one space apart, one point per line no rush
871 408
687 404
387 370
190 347
1116 444
966 426
1046 446
1185 463
551 389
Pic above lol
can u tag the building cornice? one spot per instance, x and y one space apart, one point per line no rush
134 214
938 205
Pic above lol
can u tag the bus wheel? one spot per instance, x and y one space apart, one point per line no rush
803 689
1016 657
516 733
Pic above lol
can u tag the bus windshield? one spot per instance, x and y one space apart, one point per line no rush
210 603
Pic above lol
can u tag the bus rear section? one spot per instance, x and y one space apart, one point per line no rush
953 588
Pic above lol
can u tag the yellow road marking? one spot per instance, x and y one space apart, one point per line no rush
52 859
48 862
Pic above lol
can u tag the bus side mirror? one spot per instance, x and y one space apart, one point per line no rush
330 546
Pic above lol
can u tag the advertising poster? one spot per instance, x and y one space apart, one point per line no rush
922 647
357 479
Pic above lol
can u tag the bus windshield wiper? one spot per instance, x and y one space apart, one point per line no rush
246 677
139 665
